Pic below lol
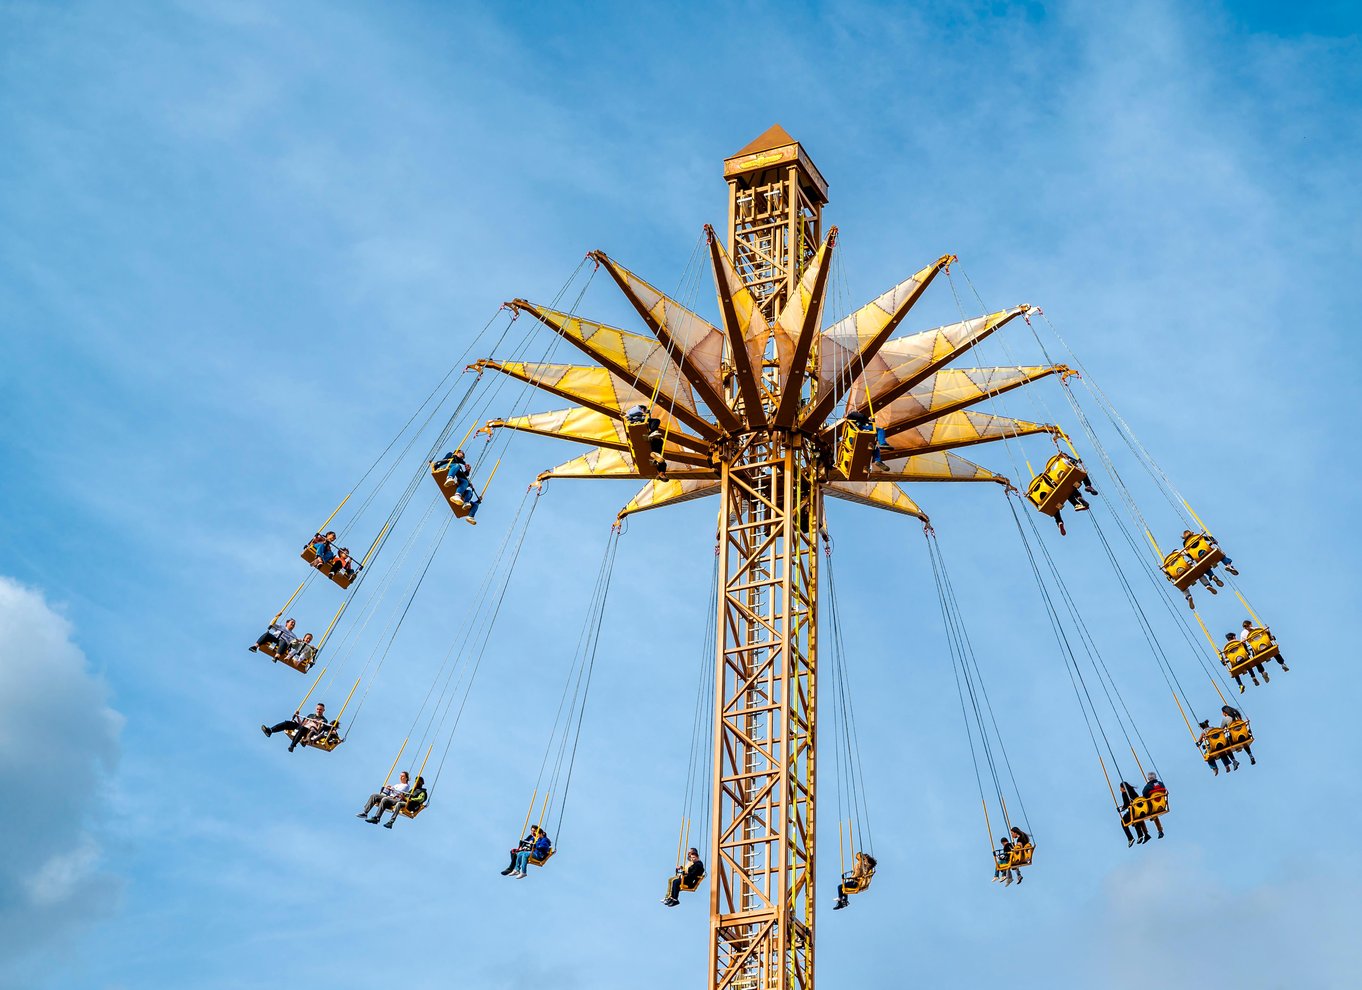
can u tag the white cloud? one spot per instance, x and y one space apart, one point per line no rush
58 743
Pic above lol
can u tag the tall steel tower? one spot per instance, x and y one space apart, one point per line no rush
754 411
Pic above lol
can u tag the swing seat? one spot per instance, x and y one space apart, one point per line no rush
302 666
410 811
855 883
1021 855
441 476
326 743
686 883
1144 808
641 449
1228 739
342 578
1187 566
1240 658
855 447
540 861
1262 645
1050 489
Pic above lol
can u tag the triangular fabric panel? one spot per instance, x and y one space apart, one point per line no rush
580 424
905 361
640 361
844 345
949 390
695 340
959 429
940 466
790 323
752 327
655 494
877 494
605 462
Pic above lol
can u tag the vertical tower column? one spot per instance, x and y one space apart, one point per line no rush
775 215
762 853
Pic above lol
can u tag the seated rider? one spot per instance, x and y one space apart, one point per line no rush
302 652
464 492
1233 715
688 876
638 416
345 564
862 866
277 636
1188 538
535 844
413 802
1253 671
323 545
386 799
1128 796
1151 787
305 728
1204 741
865 424
1245 632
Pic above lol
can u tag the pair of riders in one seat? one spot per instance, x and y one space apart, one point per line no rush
395 798
1002 856
536 845
458 470
286 644
330 560
1152 787
308 730
1227 757
1242 636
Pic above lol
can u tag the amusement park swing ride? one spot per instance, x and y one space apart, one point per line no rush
772 410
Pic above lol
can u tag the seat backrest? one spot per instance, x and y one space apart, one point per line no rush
1260 640
1176 563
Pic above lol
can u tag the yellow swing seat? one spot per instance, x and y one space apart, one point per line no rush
1262 644
1222 741
540 861
1021 855
1050 489
641 449
411 811
342 578
1187 566
300 665
855 883
1144 808
855 447
326 743
441 476
689 884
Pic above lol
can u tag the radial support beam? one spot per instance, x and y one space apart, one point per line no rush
762 853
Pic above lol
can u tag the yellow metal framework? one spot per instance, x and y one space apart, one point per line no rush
747 410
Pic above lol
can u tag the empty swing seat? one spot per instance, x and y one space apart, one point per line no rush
1144 808
441 476
855 448
342 578
1050 489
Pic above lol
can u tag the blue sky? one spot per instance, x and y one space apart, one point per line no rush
238 242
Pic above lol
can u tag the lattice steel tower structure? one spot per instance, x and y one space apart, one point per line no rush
754 411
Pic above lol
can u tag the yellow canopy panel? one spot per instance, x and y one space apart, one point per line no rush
877 494
744 321
951 390
655 494
847 344
939 466
906 361
605 462
960 429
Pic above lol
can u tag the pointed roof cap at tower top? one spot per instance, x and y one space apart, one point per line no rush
774 147
774 136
